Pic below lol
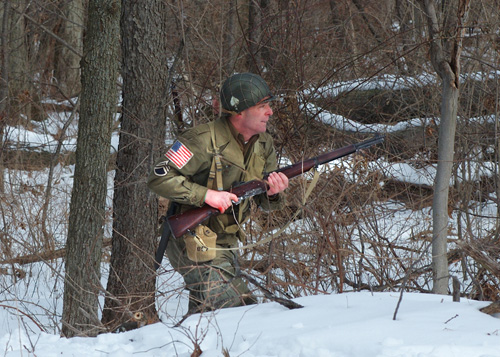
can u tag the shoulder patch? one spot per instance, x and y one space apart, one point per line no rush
162 168
179 154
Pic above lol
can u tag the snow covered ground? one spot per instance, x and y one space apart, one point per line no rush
340 325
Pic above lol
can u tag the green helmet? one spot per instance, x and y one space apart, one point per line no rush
242 91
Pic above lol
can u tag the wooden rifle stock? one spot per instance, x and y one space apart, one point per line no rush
181 223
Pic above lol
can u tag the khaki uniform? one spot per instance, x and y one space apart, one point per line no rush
214 283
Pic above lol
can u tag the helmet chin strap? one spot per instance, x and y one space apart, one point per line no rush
263 100
229 111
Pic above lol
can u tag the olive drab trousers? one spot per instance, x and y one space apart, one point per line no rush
214 284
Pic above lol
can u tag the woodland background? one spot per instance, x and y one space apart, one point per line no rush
365 226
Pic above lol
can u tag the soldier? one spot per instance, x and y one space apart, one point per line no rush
200 167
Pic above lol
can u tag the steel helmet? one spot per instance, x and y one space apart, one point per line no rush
242 91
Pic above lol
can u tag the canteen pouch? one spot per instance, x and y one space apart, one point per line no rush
200 244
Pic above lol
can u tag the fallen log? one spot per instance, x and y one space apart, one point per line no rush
43 256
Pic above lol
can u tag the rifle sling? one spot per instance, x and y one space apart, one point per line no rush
165 236
313 183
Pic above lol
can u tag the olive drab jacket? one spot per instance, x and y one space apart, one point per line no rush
183 178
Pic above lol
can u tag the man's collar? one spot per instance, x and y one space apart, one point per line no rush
239 138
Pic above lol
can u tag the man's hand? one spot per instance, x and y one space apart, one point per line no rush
221 200
278 182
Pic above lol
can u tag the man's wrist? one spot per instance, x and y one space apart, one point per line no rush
273 197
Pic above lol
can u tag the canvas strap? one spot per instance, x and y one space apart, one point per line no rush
307 193
215 175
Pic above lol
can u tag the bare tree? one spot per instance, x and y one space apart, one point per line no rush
446 37
68 61
228 46
88 200
315 49
131 282
254 60
4 78
14 85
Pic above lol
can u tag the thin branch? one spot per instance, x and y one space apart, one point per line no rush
52 34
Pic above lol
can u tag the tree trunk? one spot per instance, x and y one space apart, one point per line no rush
4 81
446 146
404 11
228 47
446 43
68 62
497 170
19 79
254 59
131 282
359 5
14 83
88 200
341 18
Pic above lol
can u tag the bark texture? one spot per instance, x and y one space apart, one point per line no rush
446 43
88 200
131 283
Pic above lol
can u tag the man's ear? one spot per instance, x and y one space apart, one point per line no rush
237 116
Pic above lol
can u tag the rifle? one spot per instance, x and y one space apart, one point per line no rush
181 223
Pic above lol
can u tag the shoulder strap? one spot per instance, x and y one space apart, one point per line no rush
215 176
274 235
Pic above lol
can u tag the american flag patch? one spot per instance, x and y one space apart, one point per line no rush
179 154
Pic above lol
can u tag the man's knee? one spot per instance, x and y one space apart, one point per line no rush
218 289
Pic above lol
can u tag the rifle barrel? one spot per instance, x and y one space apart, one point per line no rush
181 223
367 143
304 166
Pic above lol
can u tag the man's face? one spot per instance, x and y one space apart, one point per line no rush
254 119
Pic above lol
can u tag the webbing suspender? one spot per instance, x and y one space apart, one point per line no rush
215 181
309 189
215 176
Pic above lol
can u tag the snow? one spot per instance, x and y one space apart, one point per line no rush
348 324
43 137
